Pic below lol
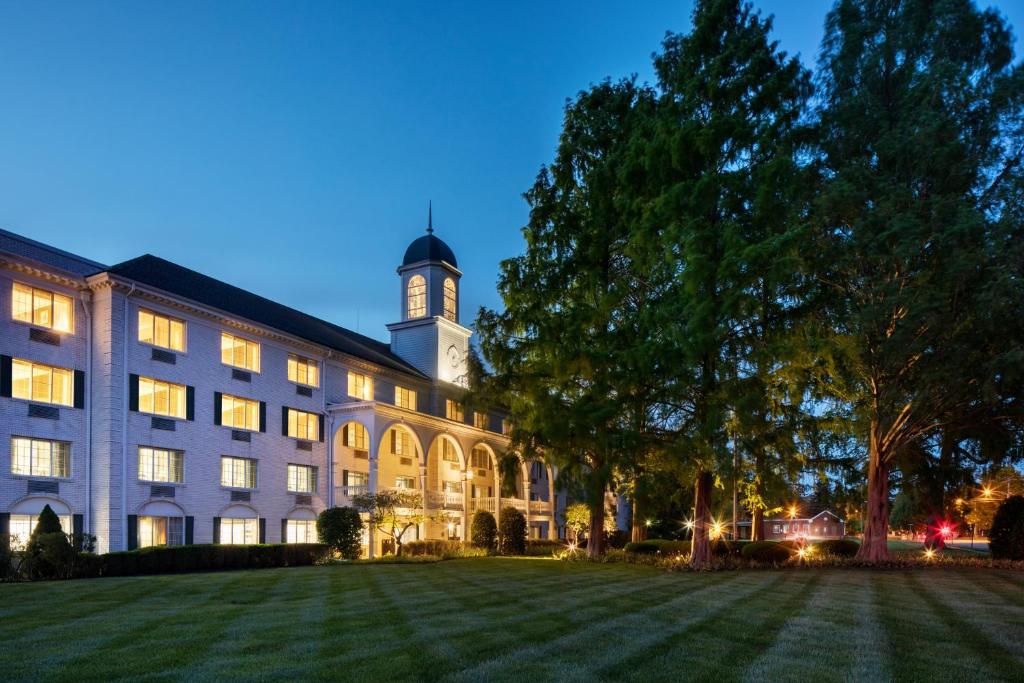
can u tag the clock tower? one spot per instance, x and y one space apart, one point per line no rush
429 336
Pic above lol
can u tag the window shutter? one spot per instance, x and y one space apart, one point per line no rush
284 420
5 376
133 393
190 526
190 403
394 441
132 532
344 477
320 429
263 529
284 531
263 416
78 528
344 436
5 523
216 420
79 388
216 529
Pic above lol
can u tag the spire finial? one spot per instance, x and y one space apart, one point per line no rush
430 217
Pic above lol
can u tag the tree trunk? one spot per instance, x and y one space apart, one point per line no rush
757 524
700 547
595 538
874 545
757 515
639 531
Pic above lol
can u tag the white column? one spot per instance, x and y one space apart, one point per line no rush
372 486
467 484
423 492
526 494
553 505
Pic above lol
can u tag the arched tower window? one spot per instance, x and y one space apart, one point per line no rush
417 293
449 298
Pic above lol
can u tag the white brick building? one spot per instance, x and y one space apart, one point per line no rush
147 403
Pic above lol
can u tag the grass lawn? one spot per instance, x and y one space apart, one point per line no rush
519 619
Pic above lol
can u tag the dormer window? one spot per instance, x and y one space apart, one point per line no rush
449 299
417 297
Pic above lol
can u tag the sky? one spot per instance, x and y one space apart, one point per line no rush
291 148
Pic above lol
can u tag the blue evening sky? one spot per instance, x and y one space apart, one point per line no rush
291 148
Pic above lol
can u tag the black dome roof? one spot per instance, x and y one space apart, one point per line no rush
429 248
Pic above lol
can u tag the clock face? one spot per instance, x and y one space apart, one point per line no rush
453 356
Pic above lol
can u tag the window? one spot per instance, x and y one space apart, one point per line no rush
303 425
160 330
303 370
301 479
480 420
506 427
480 458
21 527
449 298
239 531
452 487
161 464
405 398
300 531
453 410
40 458
43 383
42 307
448 453
354 435
360 386
417 297
401 442
161 531
161 398
241 353
405 482
357 479
238 473
239 413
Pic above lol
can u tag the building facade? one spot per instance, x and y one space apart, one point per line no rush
150 404
819 527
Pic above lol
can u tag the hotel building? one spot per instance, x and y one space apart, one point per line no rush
149 404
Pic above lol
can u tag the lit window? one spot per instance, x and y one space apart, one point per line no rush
360 386
22 526
506 427
301 479
160 330
452 487
238 473
480 420
480 458
42 307
448 453
303 425
160 531
405 398
303 370
453 410
161 398
161 464
357 479
239 531
354 435
417 297
300 531
40 458
401 442
405 483
239 413
42 383
238 352
449 298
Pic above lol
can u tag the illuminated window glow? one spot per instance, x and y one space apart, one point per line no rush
42 383
42 307
239 531
354 435
239 413
480 420
480 458
161 398
160 330
161 464
303 425
40 458
21 527
301 479
405 398
448 453
160 531
303 371
405 482
360 386
449 298
300 531
237 473
239 352
453 410
417 297
401 442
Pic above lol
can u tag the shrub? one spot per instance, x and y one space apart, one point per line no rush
7 569
341 529
542 547
643 547
436 548
616 539
840 547
484 531
1006 537
512 536
190 558
658 546
723 548
766 551
48 554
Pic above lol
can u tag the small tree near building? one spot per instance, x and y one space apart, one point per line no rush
577 520
341 528
484 532
49 554
512 539
1006 539
393 513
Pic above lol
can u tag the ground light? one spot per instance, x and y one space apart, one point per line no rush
929 553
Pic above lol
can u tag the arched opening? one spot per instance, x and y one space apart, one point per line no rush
351 462
160 523
450 300
482 477
416 297
398 460
237 525
299 526
25 516
445 492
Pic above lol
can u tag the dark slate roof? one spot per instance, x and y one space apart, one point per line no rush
170 277
44 253
429 248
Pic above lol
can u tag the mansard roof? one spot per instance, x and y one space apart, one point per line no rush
172 278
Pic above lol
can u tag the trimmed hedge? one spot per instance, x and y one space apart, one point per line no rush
840 547
766 551
543 547
194 558
658 546
437 548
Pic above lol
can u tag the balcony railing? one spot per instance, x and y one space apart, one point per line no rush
349 491
444 500
540 507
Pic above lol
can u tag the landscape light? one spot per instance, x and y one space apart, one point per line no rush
929 553
987 491
792 511
945 530
688 524
649 522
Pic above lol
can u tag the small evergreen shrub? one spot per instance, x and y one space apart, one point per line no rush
484 531
512 534
840 547
766 551
341 529
1006 537
48 554
7 568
